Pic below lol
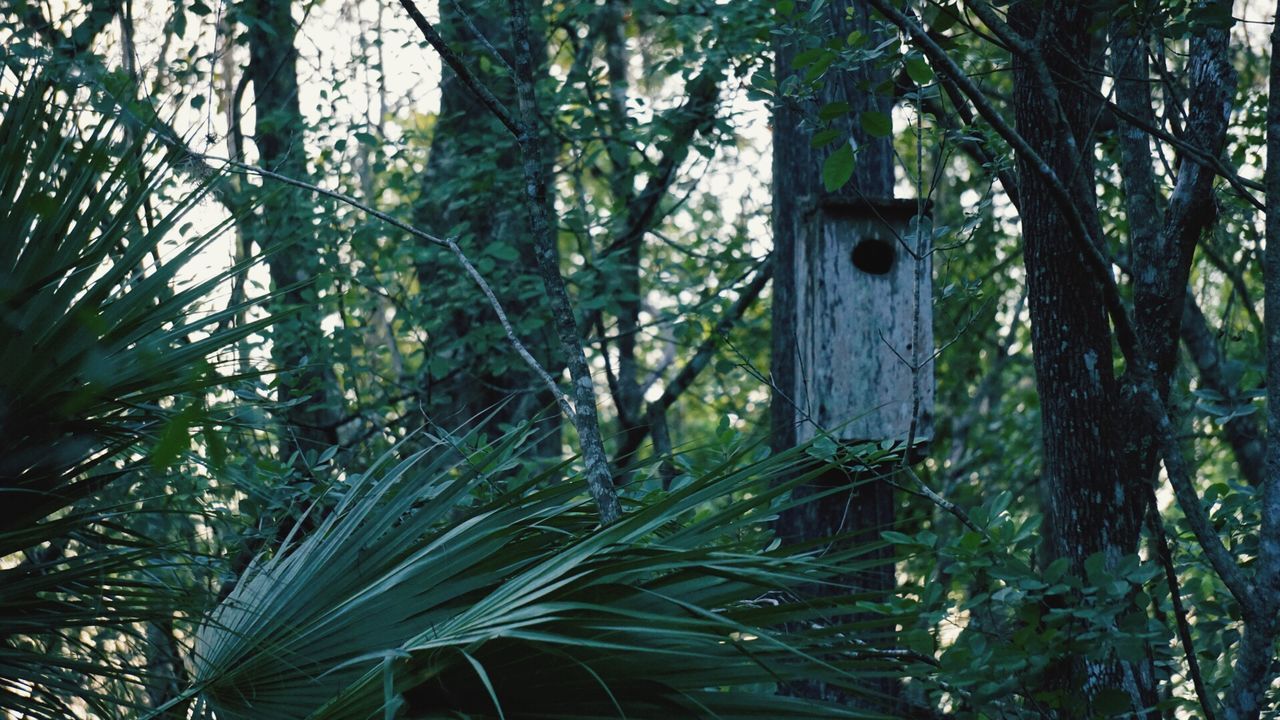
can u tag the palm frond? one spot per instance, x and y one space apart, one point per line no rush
96 342
414 596
92 329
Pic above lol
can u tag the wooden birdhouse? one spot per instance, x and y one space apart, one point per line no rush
864 340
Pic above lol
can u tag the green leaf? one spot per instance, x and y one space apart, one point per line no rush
876 123
918 70
1110 702
838 168
823 448
215 447
897 538
1213 15
921 641
833 110
179 21
103 373
503 251
819 67
1095 568
940 19
822 138
805 58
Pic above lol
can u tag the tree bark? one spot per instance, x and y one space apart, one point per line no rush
801 220
288 218
599 477
1161 249
1255 657
1091 506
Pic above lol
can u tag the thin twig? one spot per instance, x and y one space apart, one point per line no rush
511 333
480 37
940 501
1165 556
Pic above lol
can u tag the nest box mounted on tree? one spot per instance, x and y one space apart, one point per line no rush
864 339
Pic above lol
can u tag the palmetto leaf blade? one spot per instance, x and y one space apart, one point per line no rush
522 603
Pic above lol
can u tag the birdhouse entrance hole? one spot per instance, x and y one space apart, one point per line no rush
874 256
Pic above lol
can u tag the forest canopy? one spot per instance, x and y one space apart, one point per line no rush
639 358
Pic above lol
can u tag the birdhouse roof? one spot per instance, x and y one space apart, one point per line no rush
891 209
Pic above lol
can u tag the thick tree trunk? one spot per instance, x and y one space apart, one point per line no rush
472 189
802 221
1091 506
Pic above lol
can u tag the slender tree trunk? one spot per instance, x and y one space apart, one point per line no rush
1242 432
622 188
288 218
1255 657
1162 245
1162 248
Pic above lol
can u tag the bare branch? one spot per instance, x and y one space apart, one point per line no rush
1179 612
938 500
480 37
511 333
463 72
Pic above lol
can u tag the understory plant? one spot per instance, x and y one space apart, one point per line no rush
105 361
453 584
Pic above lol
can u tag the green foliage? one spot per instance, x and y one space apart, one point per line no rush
451 584
94 335
1019 625
109 379
101 356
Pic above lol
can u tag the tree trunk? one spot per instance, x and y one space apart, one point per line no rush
1255 657
801 222
472 189
1090 505
287 218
